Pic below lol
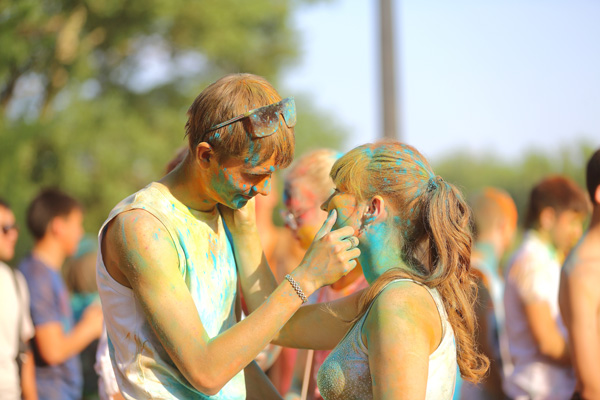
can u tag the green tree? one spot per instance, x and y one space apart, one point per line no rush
517 177
94 93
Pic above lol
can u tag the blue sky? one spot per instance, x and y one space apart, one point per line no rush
492 77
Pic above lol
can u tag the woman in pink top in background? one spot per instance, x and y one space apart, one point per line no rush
307 186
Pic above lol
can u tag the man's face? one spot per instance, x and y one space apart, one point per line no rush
234 182
69 231
8 234
567 230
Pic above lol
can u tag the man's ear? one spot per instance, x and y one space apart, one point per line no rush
597 195
204 154
55 226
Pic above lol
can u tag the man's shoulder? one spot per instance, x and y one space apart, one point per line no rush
34 269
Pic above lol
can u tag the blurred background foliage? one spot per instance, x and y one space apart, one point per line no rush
94 94
471 172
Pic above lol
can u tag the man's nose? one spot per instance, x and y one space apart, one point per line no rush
263 187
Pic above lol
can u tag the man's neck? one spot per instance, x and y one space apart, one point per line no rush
50 253
187 186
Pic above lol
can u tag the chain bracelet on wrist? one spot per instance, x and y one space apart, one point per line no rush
296 288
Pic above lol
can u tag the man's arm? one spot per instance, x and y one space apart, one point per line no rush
546 334
256 278
56 346
137 245
580 302
531 281
28 386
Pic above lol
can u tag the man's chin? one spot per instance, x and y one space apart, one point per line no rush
238 202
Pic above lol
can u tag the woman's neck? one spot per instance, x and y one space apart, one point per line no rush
380 250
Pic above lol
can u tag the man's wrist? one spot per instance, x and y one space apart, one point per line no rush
245 232
307 285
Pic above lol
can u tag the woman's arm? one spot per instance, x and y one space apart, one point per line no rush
402 329
319 326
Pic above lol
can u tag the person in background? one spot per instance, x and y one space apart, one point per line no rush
283 254
79 273
536 333
16 328
307 186
495 224
55 221
579 297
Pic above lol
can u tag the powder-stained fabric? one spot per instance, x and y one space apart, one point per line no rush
142 366
345 374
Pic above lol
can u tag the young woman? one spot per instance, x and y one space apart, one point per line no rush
412 325
307 186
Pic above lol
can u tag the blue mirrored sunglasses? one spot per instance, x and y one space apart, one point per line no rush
264 121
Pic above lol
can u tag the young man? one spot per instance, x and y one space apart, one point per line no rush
537 336
55 221
495 223
579 297
168 275
16 328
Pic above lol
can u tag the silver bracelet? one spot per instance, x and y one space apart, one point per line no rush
296 288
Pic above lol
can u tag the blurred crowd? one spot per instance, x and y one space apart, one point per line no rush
537 310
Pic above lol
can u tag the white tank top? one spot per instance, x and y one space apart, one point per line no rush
345 374
143 368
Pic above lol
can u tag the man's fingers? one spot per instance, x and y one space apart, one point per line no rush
342 233
353 253
327 225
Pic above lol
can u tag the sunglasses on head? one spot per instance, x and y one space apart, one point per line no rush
264 121
7 228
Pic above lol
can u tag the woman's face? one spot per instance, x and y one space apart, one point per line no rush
305 216
349 210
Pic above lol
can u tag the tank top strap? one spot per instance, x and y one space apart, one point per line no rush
432 292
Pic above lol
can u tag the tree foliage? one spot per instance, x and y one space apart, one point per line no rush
518 176
94 93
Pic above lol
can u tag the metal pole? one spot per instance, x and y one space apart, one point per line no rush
388 80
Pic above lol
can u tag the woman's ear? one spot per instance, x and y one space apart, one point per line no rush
375 210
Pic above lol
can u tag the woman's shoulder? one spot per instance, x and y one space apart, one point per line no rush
407 307
403 296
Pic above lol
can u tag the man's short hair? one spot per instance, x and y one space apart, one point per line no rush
4 203
592 175
227 98
559 193
489 206
47 205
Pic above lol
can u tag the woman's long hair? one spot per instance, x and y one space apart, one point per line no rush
433 219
